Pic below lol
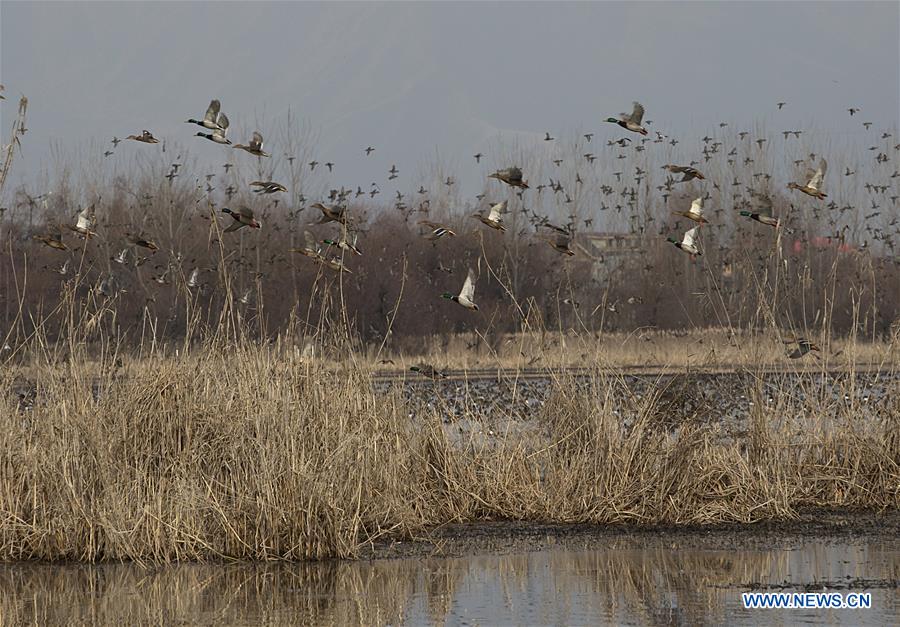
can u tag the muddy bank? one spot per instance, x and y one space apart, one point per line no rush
509 537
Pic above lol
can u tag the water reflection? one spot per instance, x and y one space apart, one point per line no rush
617 585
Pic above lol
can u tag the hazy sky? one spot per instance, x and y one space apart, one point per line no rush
420 79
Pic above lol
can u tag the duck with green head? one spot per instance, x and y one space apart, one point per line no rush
218 133
689 243
632 121
764 215
209 119
466 296
343 244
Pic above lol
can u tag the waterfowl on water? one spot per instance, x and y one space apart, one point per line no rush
689 243
632 121
510 176
218 134
466 296
695 213
242 217
814 186
255 146
494 218
210 118
145 136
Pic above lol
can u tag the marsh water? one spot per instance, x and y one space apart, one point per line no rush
622 583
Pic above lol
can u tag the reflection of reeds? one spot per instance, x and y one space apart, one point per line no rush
636 581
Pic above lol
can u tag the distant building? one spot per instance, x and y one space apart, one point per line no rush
609 251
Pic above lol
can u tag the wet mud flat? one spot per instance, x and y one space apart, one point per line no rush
506 537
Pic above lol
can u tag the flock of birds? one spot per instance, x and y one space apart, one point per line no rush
335 210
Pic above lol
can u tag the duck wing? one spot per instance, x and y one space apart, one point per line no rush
690 237
212 111
256 142
637 113
468 288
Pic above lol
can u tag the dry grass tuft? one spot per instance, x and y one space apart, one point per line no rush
247 452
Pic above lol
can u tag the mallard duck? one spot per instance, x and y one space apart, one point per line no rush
268 187
510 176
218 134
813 188
695 213
145 136
209 119
255 146
631 122
466 296
109 286
688 244
86 221
335 264
312 248
331 213
764 215
143 242
52 239
803 347
437 231
163 279
343 244
62 270
427 370
120 257
242 217
561 242
689 173
494 218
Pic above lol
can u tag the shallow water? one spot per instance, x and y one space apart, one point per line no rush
619 584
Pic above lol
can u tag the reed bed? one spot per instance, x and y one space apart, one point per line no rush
246 451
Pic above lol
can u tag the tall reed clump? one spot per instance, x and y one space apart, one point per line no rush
243 451
225 453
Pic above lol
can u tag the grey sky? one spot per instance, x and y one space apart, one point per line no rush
413 78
